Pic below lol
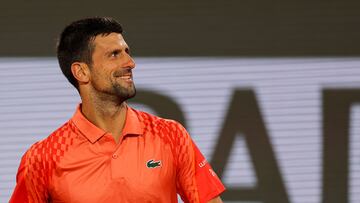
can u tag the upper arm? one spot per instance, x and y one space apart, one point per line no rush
196 181
20 192
185 167
31 179
216 200
208 183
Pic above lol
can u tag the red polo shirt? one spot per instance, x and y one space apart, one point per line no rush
154 160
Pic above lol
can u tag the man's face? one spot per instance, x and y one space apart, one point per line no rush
111 67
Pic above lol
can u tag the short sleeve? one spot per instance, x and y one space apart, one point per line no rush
208 183
31 182
20 192
196 181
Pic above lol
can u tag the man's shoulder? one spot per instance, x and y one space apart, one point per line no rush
53 145
168 130
151 120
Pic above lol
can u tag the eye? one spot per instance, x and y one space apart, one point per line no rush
127 50
115 53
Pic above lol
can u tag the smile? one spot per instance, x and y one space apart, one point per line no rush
126 77
124 74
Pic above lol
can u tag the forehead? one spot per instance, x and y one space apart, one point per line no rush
110 41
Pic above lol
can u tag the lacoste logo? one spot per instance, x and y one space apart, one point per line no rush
153 164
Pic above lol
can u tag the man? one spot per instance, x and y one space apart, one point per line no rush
109 152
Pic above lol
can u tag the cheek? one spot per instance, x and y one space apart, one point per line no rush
99 77
102 73
99 70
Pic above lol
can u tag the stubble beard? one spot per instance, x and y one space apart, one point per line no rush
123 93
116 93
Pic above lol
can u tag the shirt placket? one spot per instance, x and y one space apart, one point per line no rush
116 159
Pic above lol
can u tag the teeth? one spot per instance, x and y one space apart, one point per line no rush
126 77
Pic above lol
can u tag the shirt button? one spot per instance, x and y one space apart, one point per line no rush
114 156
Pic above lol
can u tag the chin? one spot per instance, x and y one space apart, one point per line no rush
125 94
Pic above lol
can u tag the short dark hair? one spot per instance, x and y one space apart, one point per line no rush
76 42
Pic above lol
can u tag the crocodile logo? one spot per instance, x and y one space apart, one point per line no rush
153 164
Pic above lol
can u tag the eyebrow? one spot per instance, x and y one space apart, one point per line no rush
127 50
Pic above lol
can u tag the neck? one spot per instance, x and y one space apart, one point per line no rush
107 114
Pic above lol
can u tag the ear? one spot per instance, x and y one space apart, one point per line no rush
81 72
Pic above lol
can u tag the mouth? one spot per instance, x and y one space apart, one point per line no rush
125 75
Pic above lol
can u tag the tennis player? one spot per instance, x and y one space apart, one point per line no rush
108 151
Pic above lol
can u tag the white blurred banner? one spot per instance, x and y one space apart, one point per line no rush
36 99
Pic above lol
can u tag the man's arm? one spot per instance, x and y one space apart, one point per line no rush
30 180
20 192
216 200
196 179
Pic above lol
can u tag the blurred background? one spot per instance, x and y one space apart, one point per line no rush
269 90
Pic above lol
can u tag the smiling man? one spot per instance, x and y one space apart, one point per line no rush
108 151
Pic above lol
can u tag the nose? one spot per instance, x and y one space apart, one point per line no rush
130 63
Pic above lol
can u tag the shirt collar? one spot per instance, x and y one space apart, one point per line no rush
132 126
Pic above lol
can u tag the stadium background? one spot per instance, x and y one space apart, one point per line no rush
269 90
